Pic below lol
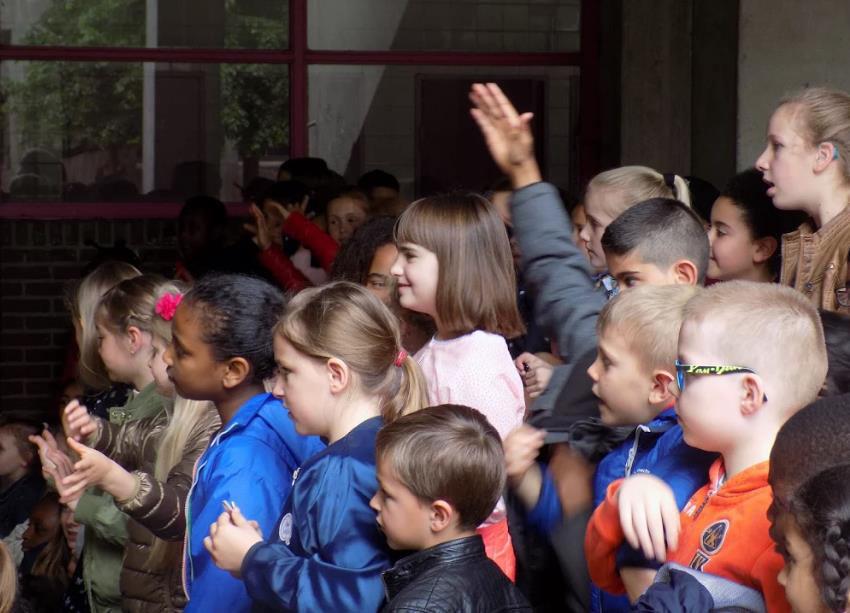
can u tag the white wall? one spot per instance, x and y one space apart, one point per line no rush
785 45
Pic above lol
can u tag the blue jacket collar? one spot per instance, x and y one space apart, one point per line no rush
244 415
665 420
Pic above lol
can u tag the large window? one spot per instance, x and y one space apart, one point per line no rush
147 100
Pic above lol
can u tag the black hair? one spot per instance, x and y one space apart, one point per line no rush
821 510
663 231
210 209
749 193
238 314
304 167
836 331
253 192
286 192
377 178
354 257
703 195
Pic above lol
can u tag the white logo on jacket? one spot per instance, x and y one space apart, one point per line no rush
285 530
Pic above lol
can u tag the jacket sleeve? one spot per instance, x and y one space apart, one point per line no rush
601 542
282 269
316 240
556 272
161 507
346 552
547 513
125 443
97 511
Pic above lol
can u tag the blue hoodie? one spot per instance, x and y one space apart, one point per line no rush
249 461
657 448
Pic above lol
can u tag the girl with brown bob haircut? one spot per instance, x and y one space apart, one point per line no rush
455 265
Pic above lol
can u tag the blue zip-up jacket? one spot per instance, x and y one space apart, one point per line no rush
249 461
657 448
327 553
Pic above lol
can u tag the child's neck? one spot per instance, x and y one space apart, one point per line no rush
447 535
754 451
235 398
354 413
831 205
142 379
760 274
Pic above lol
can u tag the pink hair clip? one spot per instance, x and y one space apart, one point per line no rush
167 305
400 358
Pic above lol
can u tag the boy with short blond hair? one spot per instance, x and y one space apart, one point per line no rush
750 356
638 332
440 473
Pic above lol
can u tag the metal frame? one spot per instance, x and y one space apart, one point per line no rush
300 57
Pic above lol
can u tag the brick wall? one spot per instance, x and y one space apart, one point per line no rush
38 261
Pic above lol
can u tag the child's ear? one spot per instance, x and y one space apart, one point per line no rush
442 515
339 375
136 338
825 154
236 371
659 392
685 272
764 249
753 397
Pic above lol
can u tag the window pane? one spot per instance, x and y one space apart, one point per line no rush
444 25
231 24
119 131
414 122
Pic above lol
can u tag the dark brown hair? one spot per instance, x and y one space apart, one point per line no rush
447 452
476 289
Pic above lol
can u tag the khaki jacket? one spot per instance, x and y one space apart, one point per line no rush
815 262
156 508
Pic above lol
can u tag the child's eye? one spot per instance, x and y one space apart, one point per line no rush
630 281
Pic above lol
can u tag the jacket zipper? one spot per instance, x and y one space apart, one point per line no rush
633 451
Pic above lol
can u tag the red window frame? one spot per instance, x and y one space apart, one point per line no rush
299 57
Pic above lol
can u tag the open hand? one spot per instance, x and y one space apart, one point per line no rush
231 536
55 463
92 469
506 132
260 228
78 424
649 515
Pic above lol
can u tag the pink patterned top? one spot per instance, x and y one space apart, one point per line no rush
476 370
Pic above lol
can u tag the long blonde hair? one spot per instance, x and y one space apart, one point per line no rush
346 321
83 303
186 417
8 580
639 183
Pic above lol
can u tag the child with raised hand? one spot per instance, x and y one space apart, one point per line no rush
455 265
807 166
341 374
161 451
221 352
746 231
750 356
440 472
638 333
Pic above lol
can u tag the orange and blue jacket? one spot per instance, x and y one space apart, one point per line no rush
724 531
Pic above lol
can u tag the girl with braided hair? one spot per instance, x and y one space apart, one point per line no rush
815 543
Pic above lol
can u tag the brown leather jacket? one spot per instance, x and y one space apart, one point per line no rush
815 262
155 509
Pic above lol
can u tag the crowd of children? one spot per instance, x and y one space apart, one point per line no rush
367 405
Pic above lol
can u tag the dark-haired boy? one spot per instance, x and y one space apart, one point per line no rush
440 473
659 241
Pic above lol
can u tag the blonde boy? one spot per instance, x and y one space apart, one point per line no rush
750 356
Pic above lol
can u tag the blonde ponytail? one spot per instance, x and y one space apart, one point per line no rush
412 394
636 184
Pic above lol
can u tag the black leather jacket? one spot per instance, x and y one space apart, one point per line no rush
455 577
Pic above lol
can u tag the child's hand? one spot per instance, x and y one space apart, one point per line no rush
507 133
649 515
55 463
93 468
522 446
535 373
230 539
260 228
77 422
